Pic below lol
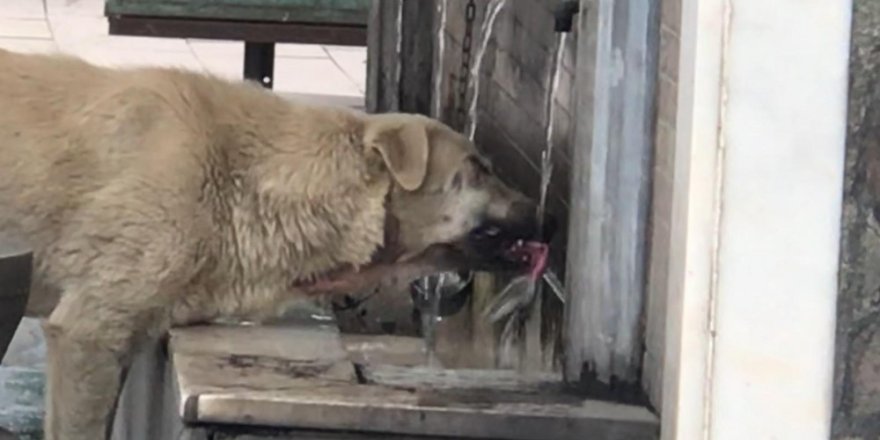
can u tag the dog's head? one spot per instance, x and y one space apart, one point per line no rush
447 202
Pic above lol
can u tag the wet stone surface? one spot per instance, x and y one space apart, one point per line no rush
22 381
21 402
28 348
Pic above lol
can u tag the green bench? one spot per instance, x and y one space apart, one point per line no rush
259 23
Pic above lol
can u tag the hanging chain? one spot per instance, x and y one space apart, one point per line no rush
470 14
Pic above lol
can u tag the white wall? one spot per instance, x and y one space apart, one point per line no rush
757 198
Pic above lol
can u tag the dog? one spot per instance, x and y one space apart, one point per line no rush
157 197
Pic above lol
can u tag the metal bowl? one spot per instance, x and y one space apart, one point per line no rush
454 289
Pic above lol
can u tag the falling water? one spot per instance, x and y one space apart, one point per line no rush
521 297
430 292
550 117
434 286
550 278
440 56
399 46
495 7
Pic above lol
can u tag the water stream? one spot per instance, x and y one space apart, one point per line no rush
521 296
399 47
550 278
439 57
550 117
486 30
433 287
519 302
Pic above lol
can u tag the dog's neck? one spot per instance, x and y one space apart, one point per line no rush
282 236
384 256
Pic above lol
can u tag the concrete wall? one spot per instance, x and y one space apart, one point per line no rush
857 375
758 182
661 204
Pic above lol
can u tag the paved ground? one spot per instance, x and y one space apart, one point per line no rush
78 27
335 74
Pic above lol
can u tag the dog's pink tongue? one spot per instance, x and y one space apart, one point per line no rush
538 253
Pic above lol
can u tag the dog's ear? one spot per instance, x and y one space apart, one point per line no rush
403 144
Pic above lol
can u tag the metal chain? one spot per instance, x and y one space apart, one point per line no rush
470 14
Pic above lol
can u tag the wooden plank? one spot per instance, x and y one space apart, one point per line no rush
610 192
300 378
384 349
452 413
258 32
400 56
461 379
248 433
417 49
383 58
241 359
340 12
375 42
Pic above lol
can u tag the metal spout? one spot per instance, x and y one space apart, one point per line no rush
563 15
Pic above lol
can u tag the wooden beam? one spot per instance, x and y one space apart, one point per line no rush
400 56
610 192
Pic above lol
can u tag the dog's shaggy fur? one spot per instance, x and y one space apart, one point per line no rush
155 197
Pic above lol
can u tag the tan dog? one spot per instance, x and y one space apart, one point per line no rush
155 197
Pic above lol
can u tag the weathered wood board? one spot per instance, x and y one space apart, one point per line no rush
610 192
301 377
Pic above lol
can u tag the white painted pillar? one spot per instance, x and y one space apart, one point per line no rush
757 203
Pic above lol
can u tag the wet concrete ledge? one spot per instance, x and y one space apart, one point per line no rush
275 382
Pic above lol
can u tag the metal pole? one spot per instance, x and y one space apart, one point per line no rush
259 63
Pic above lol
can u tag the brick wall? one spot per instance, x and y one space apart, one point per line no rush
661 207
515 77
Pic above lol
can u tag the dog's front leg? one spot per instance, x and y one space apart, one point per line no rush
84 378
90 340
102 319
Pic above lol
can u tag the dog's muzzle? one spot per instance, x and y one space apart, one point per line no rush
516 241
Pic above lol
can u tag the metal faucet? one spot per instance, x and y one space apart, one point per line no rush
563 15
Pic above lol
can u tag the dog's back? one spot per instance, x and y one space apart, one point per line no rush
84 144
67 128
